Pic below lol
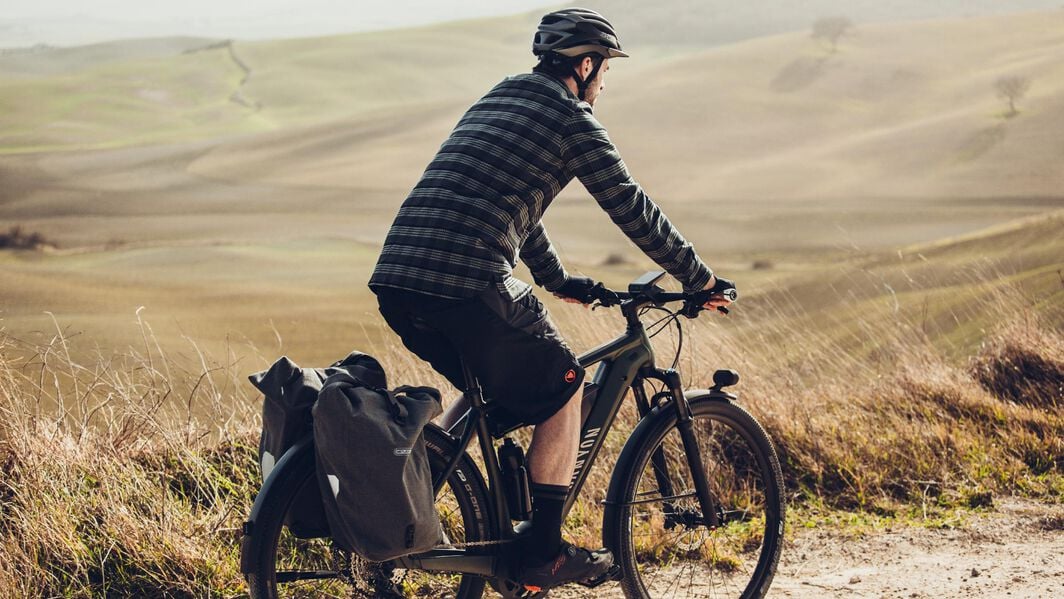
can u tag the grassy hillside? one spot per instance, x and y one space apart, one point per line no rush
139 92
717 22
904 110
307 298
42 61
759 157
313 80
951 294
901 110
122 103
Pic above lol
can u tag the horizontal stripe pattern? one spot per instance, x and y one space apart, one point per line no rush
478 206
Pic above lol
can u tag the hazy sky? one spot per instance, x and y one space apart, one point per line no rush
390 10
72 22
26 22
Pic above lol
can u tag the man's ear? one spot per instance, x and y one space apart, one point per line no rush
585 67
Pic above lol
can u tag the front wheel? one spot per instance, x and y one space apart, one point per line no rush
655 524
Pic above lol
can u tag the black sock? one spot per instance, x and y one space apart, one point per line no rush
546 536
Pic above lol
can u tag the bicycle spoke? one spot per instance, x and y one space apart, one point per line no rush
674 552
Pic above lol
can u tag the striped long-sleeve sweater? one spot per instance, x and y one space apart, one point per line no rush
478 206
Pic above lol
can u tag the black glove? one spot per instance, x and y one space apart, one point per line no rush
698 299
725 287
578 288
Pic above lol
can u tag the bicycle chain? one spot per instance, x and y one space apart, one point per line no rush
365 577
473 544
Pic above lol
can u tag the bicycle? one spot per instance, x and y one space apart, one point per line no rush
694 507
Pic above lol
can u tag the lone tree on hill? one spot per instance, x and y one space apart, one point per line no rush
1012 88
832 29
17 238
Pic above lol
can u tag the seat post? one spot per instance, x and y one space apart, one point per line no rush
475 396
472 390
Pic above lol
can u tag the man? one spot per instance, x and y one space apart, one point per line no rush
445 280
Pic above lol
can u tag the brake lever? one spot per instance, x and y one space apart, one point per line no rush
692 308
605 297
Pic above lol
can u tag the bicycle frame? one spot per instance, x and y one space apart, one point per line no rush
624 362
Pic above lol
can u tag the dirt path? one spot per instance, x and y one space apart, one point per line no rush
1015 552
1018 551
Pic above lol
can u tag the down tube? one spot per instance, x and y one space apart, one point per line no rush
614 377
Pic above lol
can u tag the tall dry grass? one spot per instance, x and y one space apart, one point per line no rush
130 476
126 477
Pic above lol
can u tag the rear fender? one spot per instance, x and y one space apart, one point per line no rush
294 463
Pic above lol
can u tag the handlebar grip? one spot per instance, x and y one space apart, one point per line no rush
692 306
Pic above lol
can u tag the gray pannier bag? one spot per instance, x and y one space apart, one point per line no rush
373 468
289 394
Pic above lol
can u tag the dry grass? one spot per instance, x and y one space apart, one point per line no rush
131 475
1024 366
110 486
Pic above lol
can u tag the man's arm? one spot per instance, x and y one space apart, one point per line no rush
539 255
591 157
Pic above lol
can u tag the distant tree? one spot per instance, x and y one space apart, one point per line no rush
17 238
1012 88
832 29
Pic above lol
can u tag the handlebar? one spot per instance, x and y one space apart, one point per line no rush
652 294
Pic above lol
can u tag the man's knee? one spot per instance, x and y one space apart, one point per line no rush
571 408
575 401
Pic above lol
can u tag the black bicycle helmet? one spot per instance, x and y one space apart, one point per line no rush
576 31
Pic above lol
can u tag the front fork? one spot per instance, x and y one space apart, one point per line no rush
685 425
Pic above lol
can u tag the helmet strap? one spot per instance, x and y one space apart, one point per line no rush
583 84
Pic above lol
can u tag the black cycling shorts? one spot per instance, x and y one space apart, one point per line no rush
525 369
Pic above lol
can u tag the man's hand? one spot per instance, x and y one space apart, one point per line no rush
576 290
714 287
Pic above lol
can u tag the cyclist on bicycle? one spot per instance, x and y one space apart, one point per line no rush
444 279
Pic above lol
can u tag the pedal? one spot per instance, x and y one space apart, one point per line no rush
614 573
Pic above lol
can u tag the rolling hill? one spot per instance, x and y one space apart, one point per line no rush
787 145
223 186
43 61
901 110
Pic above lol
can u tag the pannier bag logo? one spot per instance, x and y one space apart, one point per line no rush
570 375
401 451
267 465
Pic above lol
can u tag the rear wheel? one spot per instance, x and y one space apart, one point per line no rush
287 566
664 543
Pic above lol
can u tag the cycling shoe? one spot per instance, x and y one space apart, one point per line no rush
572 564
